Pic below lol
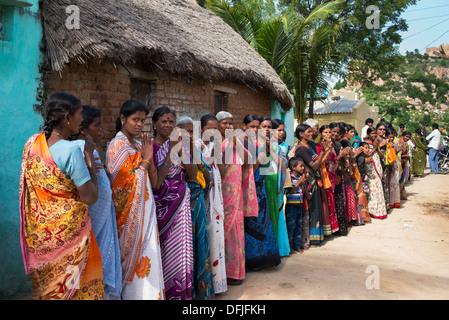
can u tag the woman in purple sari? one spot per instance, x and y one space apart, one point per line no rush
172 197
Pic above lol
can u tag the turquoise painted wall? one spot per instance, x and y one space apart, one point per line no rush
19 80
287 117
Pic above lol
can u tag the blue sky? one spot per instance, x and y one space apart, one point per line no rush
428 23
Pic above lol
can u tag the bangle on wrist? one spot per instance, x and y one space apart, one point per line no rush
147 161
167 165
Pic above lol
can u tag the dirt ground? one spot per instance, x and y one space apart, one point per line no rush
408 252
403 257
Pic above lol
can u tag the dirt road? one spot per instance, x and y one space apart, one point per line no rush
405 256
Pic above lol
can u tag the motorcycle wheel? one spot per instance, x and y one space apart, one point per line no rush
443 166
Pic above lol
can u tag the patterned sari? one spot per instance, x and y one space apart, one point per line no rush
215 215
394 176
405 165
58 245
202 282
362 201
330 167
376 202
239 201
136 221
385 180
175 228
104 225
350 198
202 286
314 205
339 192
261 249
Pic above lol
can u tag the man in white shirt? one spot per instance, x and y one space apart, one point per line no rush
368 123
434 139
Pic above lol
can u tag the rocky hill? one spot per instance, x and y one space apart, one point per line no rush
440 52
416 92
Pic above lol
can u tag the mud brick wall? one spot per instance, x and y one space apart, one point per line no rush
107 85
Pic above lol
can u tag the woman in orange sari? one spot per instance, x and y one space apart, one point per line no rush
58 246
133 174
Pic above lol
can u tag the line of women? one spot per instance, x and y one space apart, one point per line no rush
351 180
181 219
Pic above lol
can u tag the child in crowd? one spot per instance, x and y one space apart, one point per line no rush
296 194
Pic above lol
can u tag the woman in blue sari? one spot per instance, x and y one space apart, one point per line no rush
352 136
261 249
202 282
102 213
304 150
281 149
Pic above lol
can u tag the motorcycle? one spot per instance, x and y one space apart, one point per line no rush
443 160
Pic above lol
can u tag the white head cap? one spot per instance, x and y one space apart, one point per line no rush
223 115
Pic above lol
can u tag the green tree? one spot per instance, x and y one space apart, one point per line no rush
298 47
366 49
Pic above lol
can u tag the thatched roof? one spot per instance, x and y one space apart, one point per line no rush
175 35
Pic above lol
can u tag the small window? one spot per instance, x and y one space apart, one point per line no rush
7 8
221 101
143 91
6 23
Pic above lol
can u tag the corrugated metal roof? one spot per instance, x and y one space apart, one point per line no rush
339 106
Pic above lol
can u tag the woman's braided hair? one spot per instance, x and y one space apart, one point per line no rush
56 108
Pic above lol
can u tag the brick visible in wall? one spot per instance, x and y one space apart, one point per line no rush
102 85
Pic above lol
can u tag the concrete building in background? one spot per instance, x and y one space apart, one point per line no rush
345 106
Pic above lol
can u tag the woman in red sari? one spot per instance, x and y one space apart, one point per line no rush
57 184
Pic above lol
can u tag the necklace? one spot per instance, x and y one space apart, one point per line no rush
58 134
160 144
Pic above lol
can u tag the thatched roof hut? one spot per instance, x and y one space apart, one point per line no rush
173 35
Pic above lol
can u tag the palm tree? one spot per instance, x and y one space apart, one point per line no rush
297 47
311 63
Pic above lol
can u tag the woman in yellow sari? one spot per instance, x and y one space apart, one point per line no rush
58 246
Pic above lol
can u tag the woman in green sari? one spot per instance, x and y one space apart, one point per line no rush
270 173
419 154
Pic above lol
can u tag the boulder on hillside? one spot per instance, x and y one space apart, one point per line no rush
439 72
444 49
420 85
432 52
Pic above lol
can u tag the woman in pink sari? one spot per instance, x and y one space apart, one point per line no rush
329 168
239 199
